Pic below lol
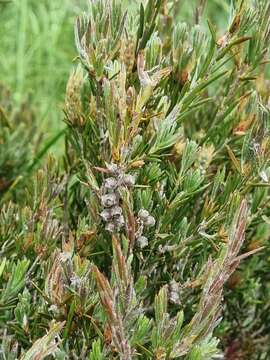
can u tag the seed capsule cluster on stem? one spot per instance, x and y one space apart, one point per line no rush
144 220
112 213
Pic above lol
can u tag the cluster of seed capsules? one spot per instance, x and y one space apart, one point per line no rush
112 213
144 220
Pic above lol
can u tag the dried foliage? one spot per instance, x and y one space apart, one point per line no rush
150 239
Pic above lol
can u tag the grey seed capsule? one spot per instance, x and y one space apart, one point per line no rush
110 183
161 249
119 221
66 262
142 241
113 168
64 257
174 295
150 221
53 308
75 282
116 211
143 214
106 214
128 180
110 227
109 200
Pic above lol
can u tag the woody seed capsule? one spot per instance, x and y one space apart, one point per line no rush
116 211
119 221
150 221
113 168
110 227
109 200
174 292
110 183
143 214
53 308
128 180
75 282
106 214
142 241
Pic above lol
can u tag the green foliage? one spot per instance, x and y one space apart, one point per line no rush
149 239
36 45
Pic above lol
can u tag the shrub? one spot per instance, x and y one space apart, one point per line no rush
123 250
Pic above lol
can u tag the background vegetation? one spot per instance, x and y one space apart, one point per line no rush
37 49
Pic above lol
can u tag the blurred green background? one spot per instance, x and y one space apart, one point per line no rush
37 49
36 53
